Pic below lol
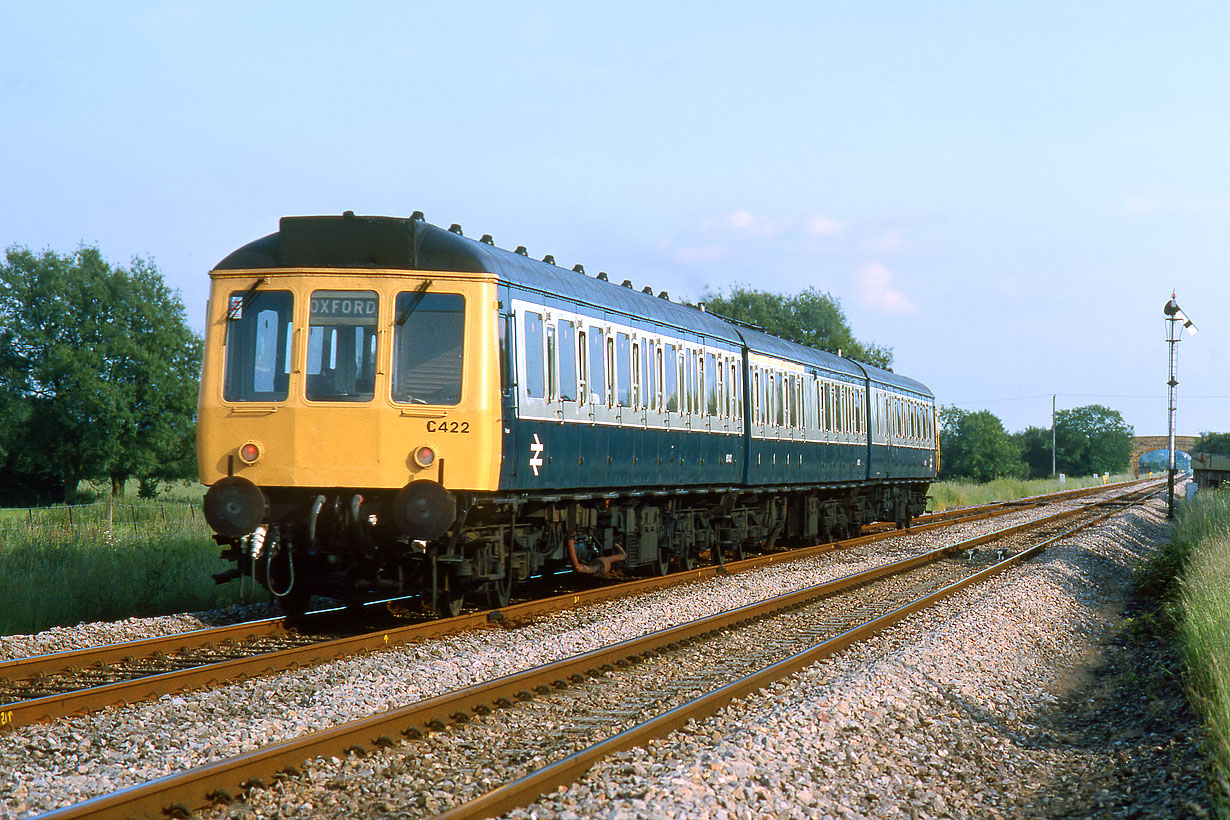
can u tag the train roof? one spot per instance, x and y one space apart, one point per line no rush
383 242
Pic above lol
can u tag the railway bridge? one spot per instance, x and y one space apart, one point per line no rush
1146 444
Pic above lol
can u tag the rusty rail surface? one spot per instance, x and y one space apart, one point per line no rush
529 788
151 687
197 788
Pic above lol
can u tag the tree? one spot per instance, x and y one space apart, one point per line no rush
1213 443
1035 446
101 362
1091 440
976 446
810 318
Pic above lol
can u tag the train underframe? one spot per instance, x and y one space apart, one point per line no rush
346 545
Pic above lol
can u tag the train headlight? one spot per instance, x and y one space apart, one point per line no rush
424 510
250 452
234 506
425 456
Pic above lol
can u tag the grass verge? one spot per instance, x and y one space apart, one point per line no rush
1191 579
65 565
947 494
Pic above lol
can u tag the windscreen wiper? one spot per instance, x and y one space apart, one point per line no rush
236 309
416 299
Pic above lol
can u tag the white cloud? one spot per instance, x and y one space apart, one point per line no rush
743 223
822 226
874 284
748 225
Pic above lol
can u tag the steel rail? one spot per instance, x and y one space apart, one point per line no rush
151 687
34 665
529 788
204 785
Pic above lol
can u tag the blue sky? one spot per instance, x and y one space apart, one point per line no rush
1003 193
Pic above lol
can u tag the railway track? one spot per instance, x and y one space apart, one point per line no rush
47 687
771 639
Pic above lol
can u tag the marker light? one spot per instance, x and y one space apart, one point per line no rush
250 452
425 456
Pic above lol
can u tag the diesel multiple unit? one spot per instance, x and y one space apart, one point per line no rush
390 408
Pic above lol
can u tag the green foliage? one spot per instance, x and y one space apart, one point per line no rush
1092 440
1035 445
945 495
976 446
64 565
1199 553
809 318
1213 443
98 373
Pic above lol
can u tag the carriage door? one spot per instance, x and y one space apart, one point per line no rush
508 381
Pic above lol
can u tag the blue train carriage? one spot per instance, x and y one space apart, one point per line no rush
669 432
623 421
845 442
391 408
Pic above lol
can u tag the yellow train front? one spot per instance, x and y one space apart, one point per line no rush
340 392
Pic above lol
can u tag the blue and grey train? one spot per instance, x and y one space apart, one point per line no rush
392 408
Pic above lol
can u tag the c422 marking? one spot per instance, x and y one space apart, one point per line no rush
448 426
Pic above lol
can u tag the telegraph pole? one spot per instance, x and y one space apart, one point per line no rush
1054 399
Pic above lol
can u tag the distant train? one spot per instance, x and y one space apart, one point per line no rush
389 408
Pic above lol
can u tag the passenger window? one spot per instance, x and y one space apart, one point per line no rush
711 384
552 367
623 370
535 378
640 373
597 367
670 386
258 340
341 354
567 360
650 375
428 345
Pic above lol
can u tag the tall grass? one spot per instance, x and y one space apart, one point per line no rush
947 494
1200 548
64 565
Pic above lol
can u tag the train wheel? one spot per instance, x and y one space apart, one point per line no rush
448 602
499 593
660 565
684 560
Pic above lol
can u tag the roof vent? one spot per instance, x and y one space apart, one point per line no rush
455 228
664 295
627 283
647 289
602 276
487 240
348 214
521 250
579 268
549 259
418 216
